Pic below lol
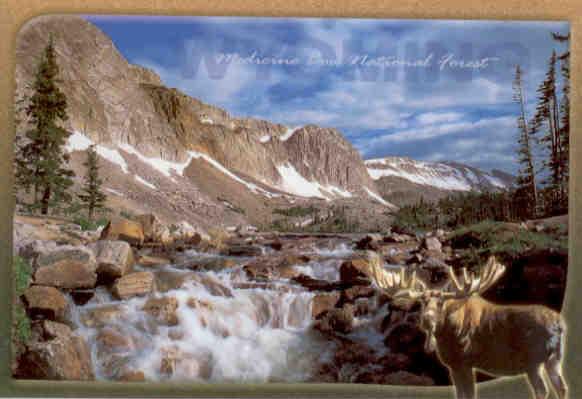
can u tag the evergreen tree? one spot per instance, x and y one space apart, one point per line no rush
41 160
526 179
93 199
564 118
548 115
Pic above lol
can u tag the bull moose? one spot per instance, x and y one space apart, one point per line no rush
470 333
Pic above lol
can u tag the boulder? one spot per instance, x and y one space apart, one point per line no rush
208 264
359 269
102 315
128 375
46 303
432 244
184 231
276 245
392 362
313 284
398 238
163 310
336 320
82 296
323 302
355 353
369 242
152 261
30 250
150 224
56 353
124 230
357 291
114 258
134 284
244 250
67 267
169 358
111 340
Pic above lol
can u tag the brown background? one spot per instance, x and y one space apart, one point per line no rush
13 14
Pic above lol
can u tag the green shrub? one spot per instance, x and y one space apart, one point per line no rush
87 224
21 329
296 211
22 273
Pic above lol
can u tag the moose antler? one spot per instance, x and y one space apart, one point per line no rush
471 283
396 281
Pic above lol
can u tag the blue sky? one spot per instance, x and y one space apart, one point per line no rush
430 90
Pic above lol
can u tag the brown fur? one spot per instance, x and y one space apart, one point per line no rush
472 333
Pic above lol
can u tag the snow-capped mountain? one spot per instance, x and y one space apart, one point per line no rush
163 150
450 176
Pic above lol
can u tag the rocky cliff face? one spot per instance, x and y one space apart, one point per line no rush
115 103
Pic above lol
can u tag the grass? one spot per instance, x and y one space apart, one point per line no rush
508 241
22 273
21 330
87 224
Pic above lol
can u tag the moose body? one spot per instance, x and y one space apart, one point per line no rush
500 340
470 333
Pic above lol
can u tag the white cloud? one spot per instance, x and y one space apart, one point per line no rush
428 132
431 118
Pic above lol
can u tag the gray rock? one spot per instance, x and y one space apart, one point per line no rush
114 258
66 267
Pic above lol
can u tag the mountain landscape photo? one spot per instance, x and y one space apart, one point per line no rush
182 217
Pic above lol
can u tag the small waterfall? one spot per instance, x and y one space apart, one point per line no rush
255 335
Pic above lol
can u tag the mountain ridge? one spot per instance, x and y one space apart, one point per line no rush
151 138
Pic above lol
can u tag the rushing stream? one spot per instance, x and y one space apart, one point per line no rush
225 329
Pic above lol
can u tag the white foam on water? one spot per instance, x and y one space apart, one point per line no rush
339 251
254 336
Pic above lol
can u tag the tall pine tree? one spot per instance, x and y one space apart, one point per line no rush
93 199
548 115
526 190
564 59
41 161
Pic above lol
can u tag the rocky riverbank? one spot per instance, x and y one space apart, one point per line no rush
140 301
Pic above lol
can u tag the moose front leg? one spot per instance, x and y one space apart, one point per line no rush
464 381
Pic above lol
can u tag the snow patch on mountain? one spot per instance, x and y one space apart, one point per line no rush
455 177
496 182
113 191
253 187
376 197
294 183
287 135
265 139
79 142
159 164
145 182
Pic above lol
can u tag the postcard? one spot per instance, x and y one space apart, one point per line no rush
300 200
